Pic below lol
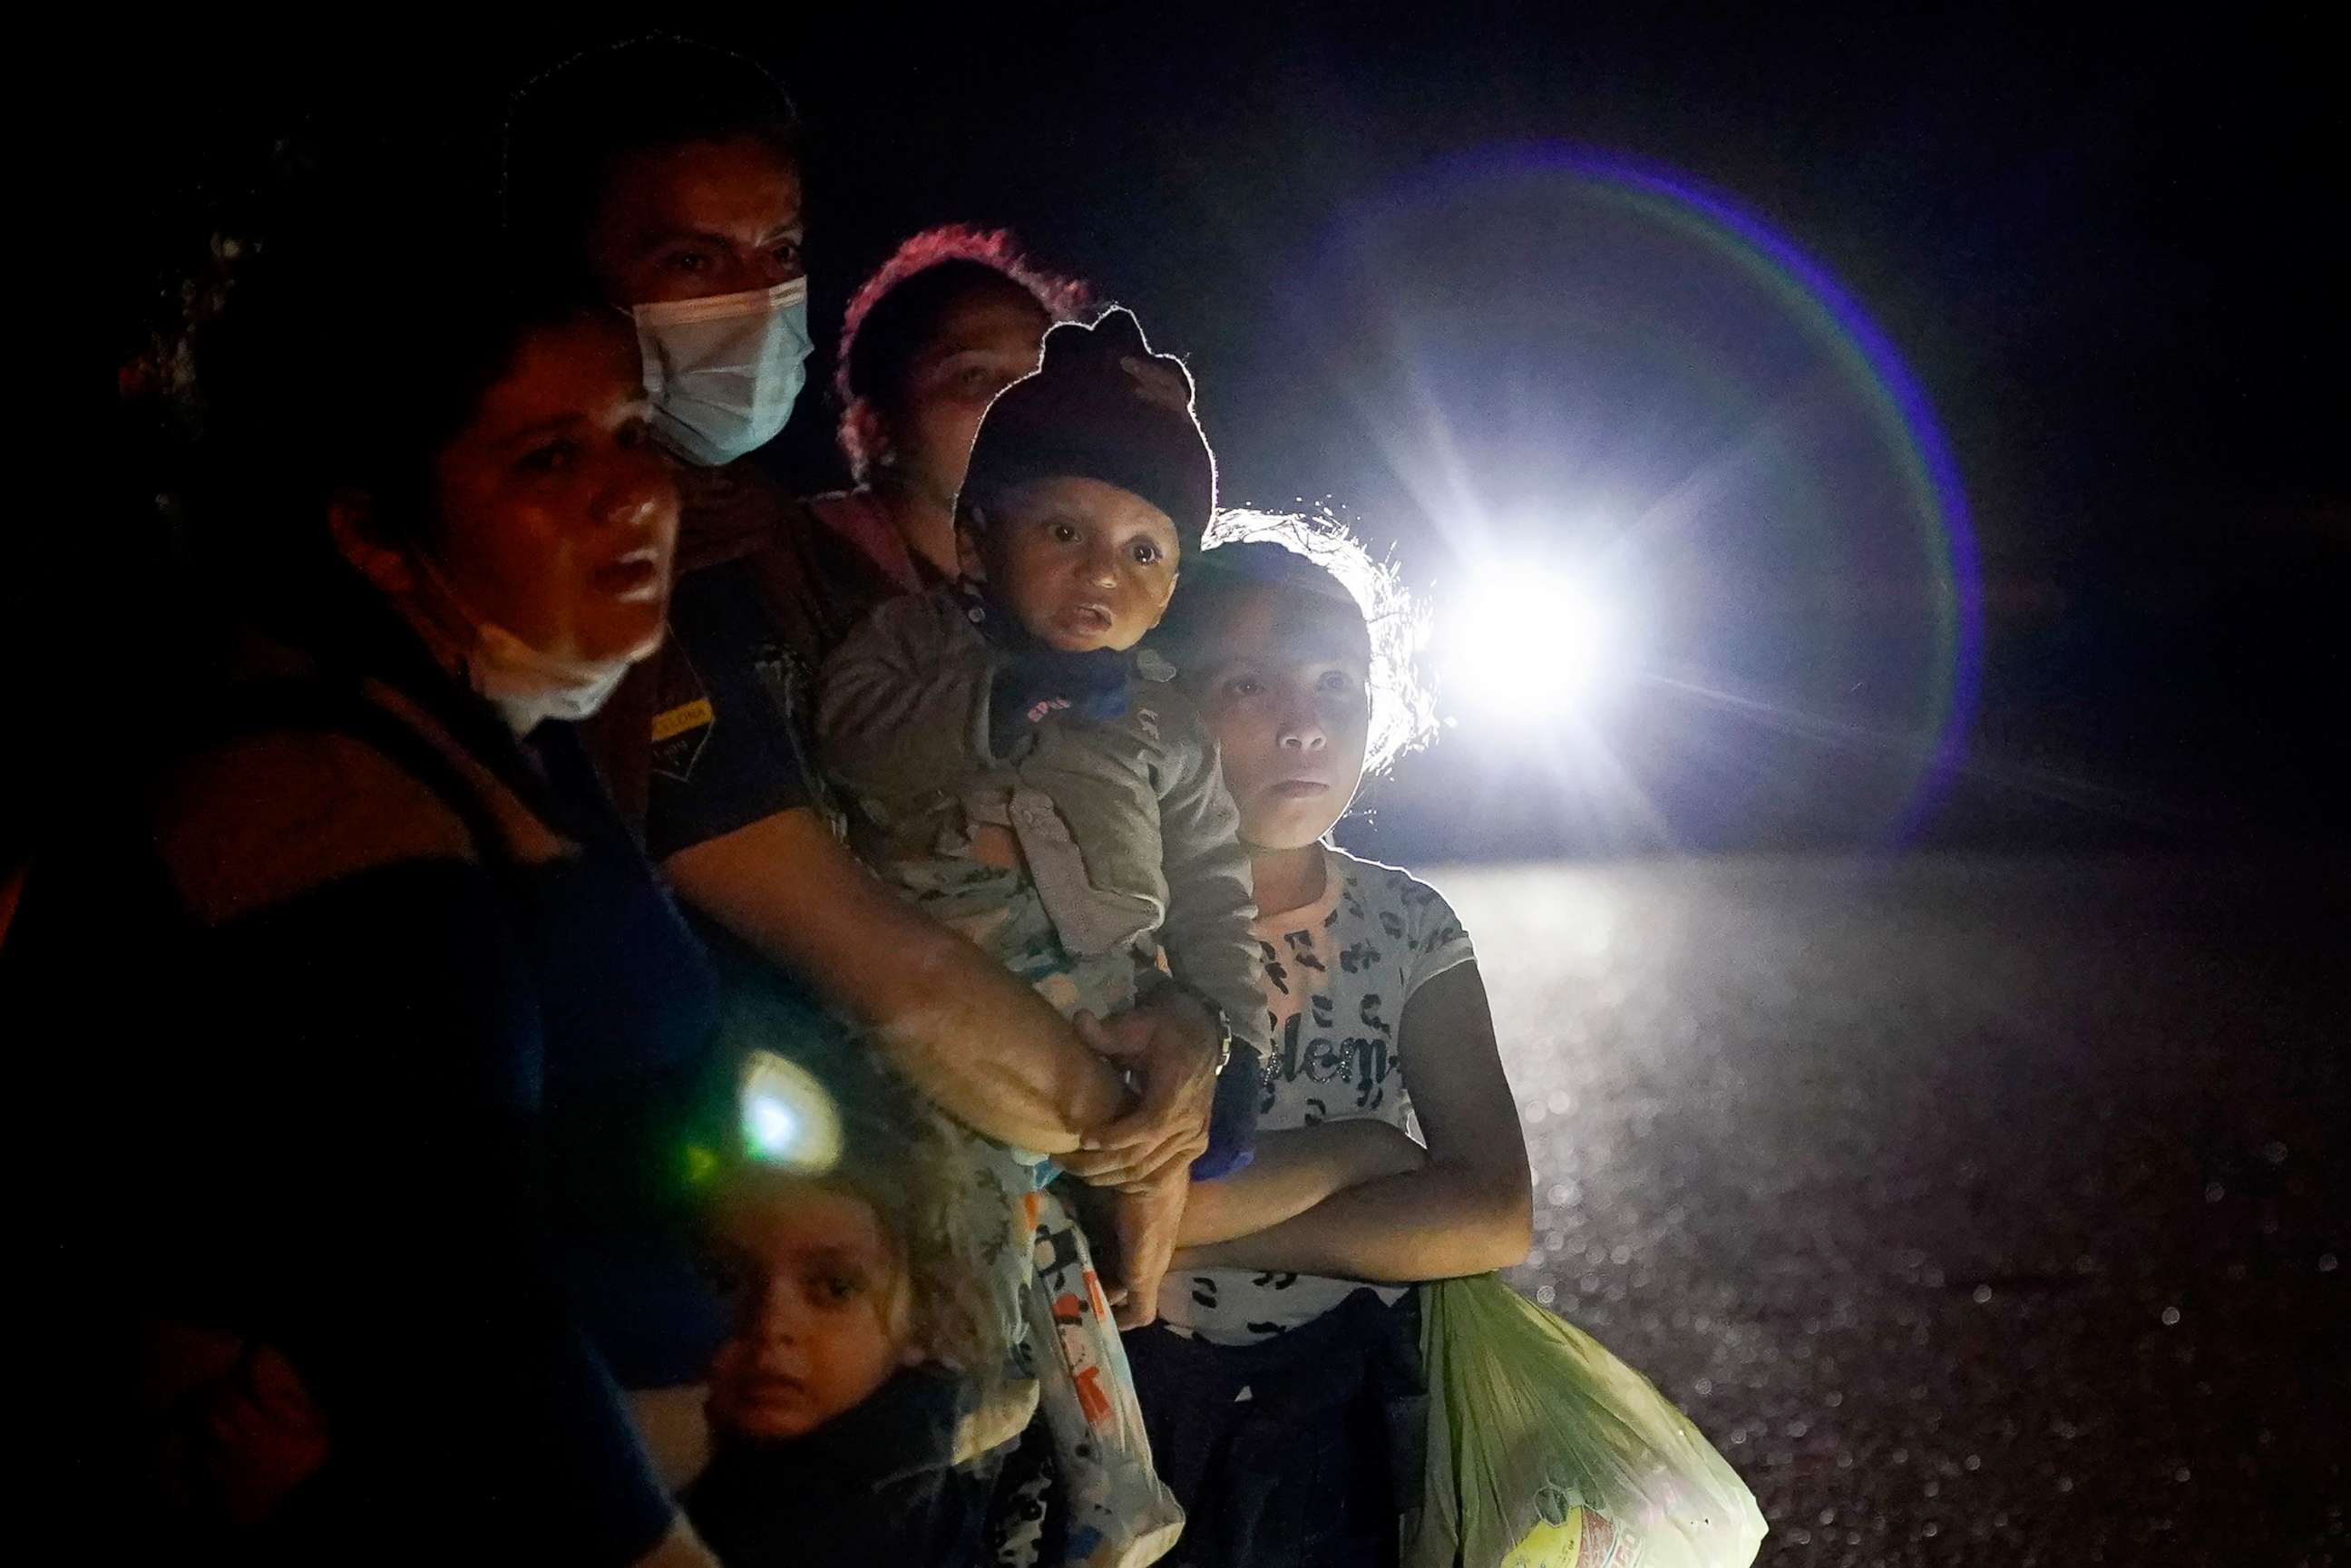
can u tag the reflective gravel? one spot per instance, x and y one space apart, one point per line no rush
1981 1210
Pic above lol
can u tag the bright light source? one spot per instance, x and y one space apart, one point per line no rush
787 1118
1529 642
772 1127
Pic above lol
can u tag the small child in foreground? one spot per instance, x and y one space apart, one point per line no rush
844 1404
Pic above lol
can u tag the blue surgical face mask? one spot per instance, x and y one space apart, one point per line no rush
723 373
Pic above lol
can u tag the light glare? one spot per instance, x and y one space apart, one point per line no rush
1530 643
787 1118
773 1127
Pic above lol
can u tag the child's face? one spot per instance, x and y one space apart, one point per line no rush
1288 695
1080 564
823 1319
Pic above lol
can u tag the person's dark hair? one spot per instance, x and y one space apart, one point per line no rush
898 311
899 1155
1320 560
337 368
567 128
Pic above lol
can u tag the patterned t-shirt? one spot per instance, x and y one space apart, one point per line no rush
1337 976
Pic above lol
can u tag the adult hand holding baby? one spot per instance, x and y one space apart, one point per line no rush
1173 1044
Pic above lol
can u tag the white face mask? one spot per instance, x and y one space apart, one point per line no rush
509 671
503 669
723 373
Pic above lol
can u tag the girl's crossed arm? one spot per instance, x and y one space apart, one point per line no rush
1467 1208
1296 1169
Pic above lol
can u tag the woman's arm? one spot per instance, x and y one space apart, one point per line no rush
981 1045
1470 1209
1135 1231
1294 1171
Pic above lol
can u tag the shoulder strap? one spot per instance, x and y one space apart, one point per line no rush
619 738
262 706
124 887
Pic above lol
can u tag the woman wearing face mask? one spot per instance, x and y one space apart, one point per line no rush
664 177
953 317
403 1044
667 174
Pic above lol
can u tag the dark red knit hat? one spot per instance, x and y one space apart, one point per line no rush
1102 405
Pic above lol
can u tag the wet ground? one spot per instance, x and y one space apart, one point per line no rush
1981 1212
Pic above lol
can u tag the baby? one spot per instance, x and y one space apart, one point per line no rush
1027 777
1014 764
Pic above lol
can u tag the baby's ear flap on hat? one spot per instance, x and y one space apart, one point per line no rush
1160 379
1115 338
1110 335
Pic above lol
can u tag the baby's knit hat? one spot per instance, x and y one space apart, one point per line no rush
1102 405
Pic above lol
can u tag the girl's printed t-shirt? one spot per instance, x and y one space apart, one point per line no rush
1338 974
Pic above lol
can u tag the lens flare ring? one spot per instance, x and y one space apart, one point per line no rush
1815 302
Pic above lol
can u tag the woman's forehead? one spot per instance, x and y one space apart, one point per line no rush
989 313
577 367
738 188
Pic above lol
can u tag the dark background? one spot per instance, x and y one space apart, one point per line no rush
1980 1206
2098 241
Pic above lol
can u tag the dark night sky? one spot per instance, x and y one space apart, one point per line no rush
2099 243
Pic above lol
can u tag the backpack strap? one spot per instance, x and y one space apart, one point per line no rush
298 706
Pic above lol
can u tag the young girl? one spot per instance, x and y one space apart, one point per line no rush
847 1407
1283 1382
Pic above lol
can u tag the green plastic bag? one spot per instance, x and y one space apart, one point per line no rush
1545 1451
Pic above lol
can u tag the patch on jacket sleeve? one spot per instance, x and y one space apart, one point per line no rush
683 717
